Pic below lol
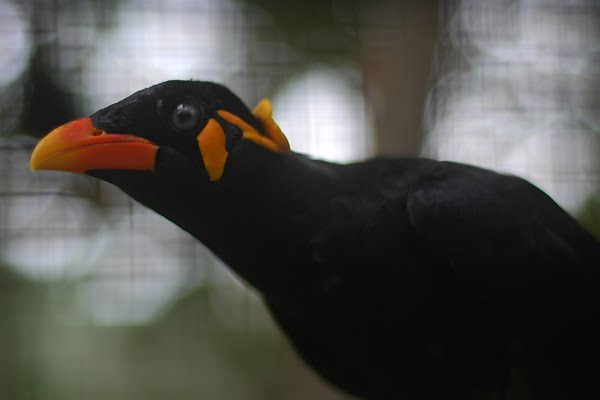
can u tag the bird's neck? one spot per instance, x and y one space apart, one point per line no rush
253 221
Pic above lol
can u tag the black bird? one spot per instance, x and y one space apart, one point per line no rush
394 278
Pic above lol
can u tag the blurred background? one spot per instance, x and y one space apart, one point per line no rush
101 298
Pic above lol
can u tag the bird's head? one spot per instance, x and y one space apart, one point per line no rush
170 128
193 152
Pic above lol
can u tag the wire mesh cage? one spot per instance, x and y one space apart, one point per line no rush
100 297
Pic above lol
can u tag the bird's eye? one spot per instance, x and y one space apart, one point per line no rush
185 117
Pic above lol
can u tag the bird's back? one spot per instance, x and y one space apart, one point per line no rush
431 277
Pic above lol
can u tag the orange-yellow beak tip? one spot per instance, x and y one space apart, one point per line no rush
78 147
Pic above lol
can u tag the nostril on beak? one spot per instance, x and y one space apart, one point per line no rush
97 132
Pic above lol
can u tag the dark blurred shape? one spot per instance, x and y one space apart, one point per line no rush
47 105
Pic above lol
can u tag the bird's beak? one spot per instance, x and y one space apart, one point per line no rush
79 147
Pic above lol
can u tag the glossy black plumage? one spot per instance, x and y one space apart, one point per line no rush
393 278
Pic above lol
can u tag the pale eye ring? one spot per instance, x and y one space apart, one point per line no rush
185 117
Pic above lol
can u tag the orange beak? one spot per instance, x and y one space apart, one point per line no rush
79 147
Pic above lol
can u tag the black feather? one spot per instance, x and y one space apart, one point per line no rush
393 278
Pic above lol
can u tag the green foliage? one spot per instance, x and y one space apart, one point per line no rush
589 216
